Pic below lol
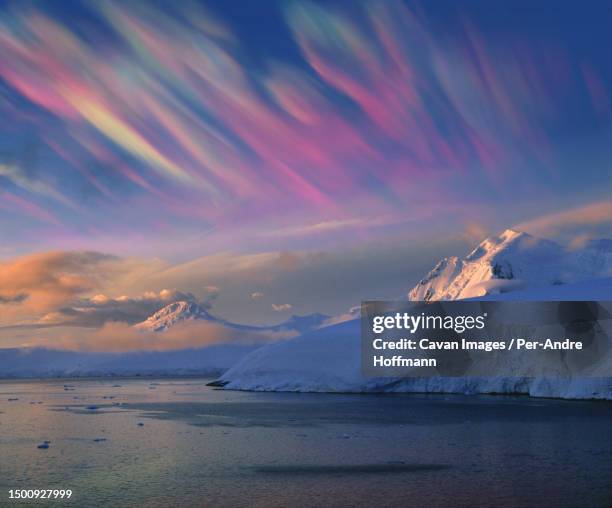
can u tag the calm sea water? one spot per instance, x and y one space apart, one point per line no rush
180 443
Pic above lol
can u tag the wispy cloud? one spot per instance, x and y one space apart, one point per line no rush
31 183
280 307
577 220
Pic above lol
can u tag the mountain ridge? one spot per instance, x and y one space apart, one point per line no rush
509 261
185 310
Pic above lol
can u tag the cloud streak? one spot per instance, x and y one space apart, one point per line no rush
580 219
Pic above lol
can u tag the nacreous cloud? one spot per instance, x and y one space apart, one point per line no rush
157 116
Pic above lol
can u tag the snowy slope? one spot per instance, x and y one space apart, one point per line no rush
328 360
172 314
512 261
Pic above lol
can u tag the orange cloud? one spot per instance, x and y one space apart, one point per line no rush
117 337
42 282
594 214
474 232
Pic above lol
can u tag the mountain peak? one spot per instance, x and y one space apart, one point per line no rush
494 244
173 313
506 262
510 234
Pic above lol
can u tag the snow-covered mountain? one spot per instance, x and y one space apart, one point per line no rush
172 314
184 310
511 266
512 261
329 360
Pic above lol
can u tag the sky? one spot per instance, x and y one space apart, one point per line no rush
279 157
